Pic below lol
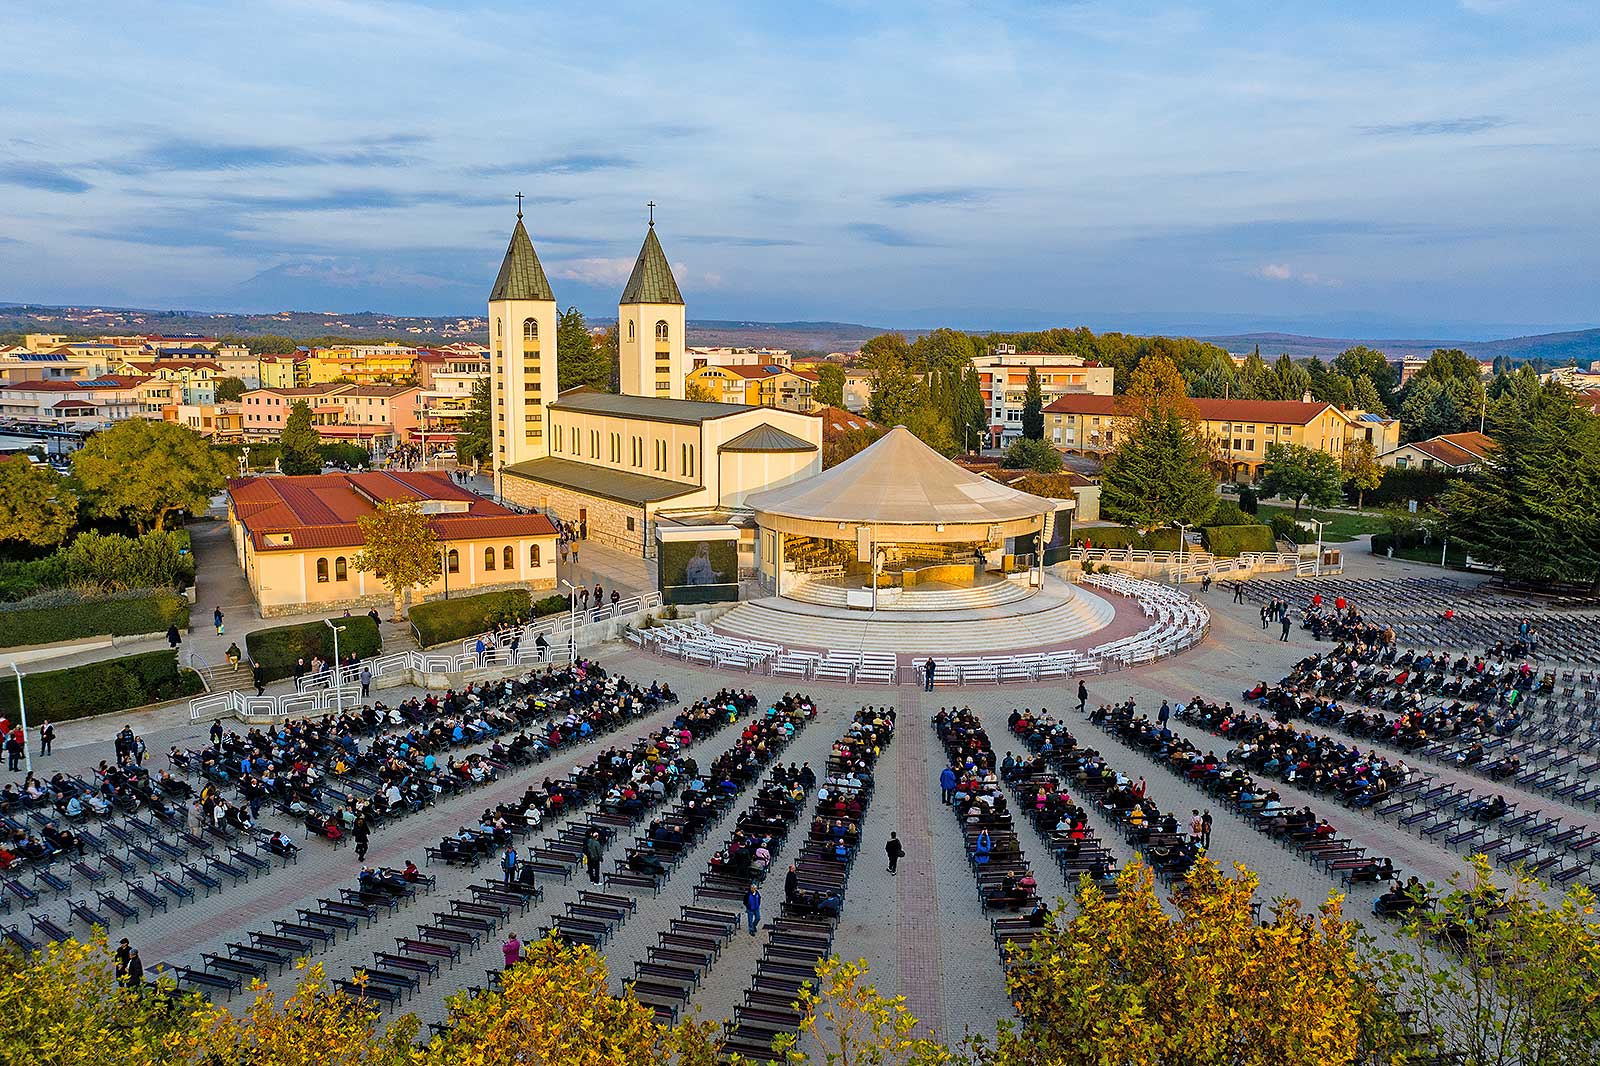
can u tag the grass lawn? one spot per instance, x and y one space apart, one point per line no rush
1342 525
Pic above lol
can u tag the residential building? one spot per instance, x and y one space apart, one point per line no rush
364 364
232 360
1003 380
1085 491
699 357
375 416
446 377
86 403
290 370
1453 453
619 464
759 386
857 389
44 342
297 539
196 379
1240 430
219 421
58 364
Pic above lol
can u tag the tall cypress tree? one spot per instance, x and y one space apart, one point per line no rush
1159 472
299 441
1033 408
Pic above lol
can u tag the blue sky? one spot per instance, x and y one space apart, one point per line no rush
1420 168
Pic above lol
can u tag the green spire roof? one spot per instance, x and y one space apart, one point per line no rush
651 281
521 277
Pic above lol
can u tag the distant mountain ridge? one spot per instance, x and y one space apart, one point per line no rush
1582 345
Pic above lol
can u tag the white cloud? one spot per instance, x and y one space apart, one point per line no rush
1276 272
595 270
1285 272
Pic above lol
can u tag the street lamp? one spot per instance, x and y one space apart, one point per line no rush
1319 523
338 666
22 713
1183 544
572 622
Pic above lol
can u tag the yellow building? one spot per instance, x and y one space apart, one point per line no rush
296 538
758 386
368 364
291 371
1240 430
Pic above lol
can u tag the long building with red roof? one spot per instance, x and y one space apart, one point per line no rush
297 538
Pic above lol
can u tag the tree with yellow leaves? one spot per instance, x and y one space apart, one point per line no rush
315 1026
1124 981
851 1023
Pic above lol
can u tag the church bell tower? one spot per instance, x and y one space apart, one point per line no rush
522 353
650 325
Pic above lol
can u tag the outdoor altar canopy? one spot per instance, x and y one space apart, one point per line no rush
901 519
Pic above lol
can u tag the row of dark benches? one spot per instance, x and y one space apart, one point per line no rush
673 967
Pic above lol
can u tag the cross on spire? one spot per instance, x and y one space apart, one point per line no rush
519 206
652 206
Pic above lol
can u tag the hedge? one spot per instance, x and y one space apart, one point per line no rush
1161 540
276 650
438 621
102 687
1400 485
1230 541
96 617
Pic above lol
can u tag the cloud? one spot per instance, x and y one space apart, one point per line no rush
1284 272
46 176
595 270
356 199
873 233
1438 127
201 155
938 197
578 163
735 242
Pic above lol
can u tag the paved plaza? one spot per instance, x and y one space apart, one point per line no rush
923 931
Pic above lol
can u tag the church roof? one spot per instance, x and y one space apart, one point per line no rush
649 408
767 438
521 277
651 281
898 481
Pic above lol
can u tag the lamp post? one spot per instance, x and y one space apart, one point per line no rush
572 622
1183 545
1319 523
338 666
22 713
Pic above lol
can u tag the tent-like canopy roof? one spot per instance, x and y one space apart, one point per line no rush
897 481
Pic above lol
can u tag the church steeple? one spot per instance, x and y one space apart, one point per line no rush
521 276
651 326
651 281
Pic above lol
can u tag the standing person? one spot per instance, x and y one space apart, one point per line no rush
791 884
124 952
366 681
1284 638
599 596
592 850
583 529
947 784
508 863
258 677
1238 592
13 750
752 909
895 850
47 736
1164 714
1205 829
616 598
1266 613
512 950
362 834
929 668
172 637
1197 824
216 619
135 970
1083 696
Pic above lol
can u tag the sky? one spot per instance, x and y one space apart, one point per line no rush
1345 168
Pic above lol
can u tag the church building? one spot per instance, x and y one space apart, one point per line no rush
620 463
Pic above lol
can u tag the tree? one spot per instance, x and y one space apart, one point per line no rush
844 445
1218 379
1366 397
891 346
1033 408
141 471
581 362
1159 472
829 389
36 506
230 390
1125 980
1288 380
398 545
316 1025
299 442
1361 361
475 441
1035 455
851 1022
699 390
1361 469
1502 976
932 428
943 349
896 393
1534 506
611 354
1301 474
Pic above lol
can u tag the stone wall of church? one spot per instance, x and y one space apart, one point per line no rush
608 520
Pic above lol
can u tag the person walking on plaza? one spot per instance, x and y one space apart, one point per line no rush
366 681
1197 824
947 784
1205 829
512 950
592 850
895 850
14 749
47 736
508 864
258 677
362 834
928 670
791 884
216 619
1285 637
173 638
752 909
1164 714
1083 696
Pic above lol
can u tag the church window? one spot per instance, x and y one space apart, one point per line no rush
322 571
507 561
530 329
488 558
497 327
533 556
661 456
453 561
340 570
661 330
630 329
594 444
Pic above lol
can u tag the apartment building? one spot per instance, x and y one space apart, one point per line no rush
699 357
364 364
758 386
1003 380
219 421
371 415
447 378
81 404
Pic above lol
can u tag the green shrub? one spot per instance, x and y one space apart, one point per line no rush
114 563
438 621
1123 537
21 579
1284 527
337 452
1231 540
1228 513
68 615
1248 499
102 687
550 605
1413 483
276 650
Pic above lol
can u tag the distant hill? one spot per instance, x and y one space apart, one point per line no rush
1556 348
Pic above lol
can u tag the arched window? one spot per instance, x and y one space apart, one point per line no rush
322 570
488 558
507 560
497 326
530 329
453 561
533 556
661 330
340 572
630 329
